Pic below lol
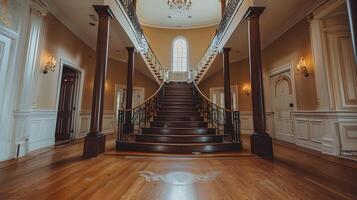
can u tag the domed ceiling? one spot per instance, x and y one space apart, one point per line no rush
157 13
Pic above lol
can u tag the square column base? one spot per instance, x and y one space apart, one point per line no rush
261 145
94 145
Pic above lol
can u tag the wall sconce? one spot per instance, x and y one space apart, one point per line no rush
302 67
246 89
50 65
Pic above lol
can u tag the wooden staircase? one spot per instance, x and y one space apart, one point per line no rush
178 127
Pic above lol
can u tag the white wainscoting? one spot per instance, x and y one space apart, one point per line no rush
42 129
246 120
331 132
108 119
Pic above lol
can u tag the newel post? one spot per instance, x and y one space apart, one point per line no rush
94 142
261 142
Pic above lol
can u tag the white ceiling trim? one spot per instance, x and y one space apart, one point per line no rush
179 27
67 22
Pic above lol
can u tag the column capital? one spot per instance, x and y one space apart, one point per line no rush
103 10
130 49
253 12
226 49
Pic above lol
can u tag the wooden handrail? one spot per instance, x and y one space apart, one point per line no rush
148 99
207 99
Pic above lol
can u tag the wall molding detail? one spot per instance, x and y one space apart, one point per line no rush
84 124
301 14
331 132
246 120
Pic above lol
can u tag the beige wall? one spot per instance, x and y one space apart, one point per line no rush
161 42
63 44
288 48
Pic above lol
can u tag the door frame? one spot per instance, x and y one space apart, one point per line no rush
78 93
123 87
232 87
289 67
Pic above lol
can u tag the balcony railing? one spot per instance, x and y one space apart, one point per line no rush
145 48
213 48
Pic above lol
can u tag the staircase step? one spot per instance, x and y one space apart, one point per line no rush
192 100
179 118
178 148
177 92
178 124
184 89
178 95
179 103
178 100
179 138
177 109
170 113
178 131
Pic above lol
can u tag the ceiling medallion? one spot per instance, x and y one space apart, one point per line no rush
179 6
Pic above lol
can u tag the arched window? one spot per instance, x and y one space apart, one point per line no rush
179 54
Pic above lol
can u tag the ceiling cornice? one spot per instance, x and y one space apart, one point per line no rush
178 27
72 27
297 17
301 14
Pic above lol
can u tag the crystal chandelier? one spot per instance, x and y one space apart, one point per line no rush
179 5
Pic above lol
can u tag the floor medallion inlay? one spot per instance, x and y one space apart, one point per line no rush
178 177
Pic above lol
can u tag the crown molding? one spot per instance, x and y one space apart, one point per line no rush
177 27
301 14
67 23
39 5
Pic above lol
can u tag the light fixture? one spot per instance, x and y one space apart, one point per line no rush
50 65
246 89
302 67
179 5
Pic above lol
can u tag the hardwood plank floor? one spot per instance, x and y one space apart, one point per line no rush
61 173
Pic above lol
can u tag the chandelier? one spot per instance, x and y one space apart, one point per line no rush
179 5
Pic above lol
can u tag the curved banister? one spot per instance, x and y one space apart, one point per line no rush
210 101
143 46
148 99
212 50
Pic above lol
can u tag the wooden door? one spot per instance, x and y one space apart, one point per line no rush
66 106
283 105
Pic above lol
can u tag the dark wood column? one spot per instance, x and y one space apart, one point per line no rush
223 7
261 142
227 90
129 89
94 142
134 3
352 13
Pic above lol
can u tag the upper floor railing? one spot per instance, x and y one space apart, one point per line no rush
145 49
213 48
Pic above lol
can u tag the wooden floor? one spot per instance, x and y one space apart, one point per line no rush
62 173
